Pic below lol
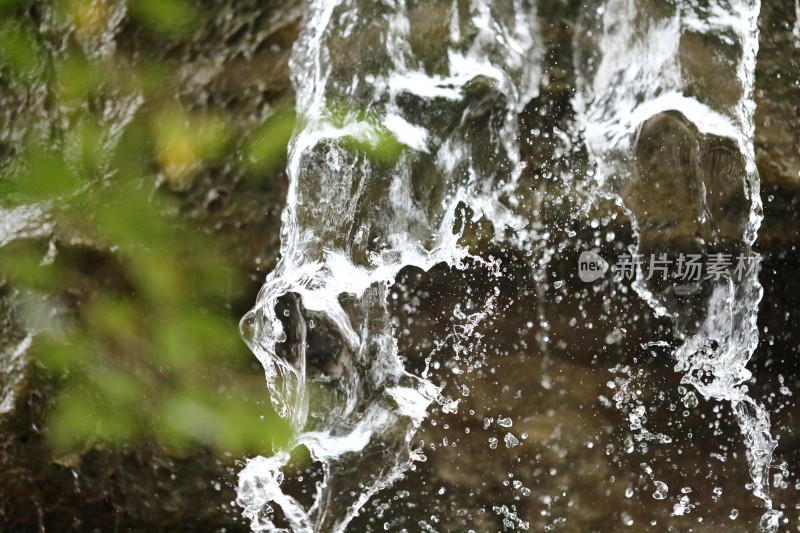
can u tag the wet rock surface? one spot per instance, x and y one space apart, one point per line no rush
554 431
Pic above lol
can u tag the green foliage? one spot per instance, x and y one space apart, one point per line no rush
265 149
172 17
374 140
19 50
131 302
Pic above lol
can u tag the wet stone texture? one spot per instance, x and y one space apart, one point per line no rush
542 437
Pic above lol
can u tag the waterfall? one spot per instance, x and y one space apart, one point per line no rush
408 125
659 104
497 212
396 135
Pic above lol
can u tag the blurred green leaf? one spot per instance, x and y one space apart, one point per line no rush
132 221
153 79
60 355
376 142
220 422
185 418
87 143
19 50
265 148
174 18
77 78
184 142
108 413
22 264
47 176
193 338
111 316
380 147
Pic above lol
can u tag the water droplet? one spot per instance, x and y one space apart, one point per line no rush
661 490
627 519
504 422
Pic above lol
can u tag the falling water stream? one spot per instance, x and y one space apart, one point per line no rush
393 143
403 141
411 160
641 87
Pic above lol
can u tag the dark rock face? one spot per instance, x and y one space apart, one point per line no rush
696 179
777 138
142 489
553 396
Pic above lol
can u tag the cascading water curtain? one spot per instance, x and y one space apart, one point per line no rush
398 135
395 134
666 101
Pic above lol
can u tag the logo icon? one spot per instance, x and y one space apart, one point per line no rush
591 266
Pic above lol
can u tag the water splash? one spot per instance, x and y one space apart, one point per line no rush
666 107
796 27
383 162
